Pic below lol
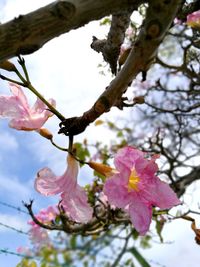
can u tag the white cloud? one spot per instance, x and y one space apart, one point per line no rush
14 221
8 142
13 188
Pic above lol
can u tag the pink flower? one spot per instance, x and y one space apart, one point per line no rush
193 19
39 237
74 198
22 116
136 188
46 215
25 251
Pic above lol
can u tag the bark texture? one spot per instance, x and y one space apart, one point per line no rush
159 17
26 34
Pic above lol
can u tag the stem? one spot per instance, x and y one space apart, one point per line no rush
28 85
52 109
139 257
10 80
71 143
59 147
22 63
69 151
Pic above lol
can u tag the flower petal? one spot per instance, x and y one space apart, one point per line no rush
76 205
47 183
39 108
22 117
126 156
116 191
19 94
9 107
160 194
193 19
36 118
140 213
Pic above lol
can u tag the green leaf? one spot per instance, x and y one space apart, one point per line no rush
139 257
120 134
144 243
105 21
73 242
81 151
159 228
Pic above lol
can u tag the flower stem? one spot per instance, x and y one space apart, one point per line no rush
27 84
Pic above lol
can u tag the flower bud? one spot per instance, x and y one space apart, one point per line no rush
7 65
45 133
102 168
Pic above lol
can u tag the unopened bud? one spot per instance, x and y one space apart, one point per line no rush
102 168
7 65
45 133
139 99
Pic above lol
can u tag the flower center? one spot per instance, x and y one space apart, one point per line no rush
133 181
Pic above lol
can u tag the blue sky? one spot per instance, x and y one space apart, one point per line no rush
67 71
24 153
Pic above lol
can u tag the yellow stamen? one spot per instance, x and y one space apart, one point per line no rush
133 181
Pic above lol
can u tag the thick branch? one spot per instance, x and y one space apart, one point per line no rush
182 184
30 32
110 48
160 15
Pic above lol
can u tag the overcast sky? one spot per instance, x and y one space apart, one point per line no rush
66 70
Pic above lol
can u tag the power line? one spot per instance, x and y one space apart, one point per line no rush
13 207
14 229
6 251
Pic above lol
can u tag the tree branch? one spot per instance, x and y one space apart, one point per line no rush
30 32
159 17
184 181
110 48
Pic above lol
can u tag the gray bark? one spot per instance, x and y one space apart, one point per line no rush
28 33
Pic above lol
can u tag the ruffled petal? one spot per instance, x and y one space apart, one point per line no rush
36 118
126 157
9 107
116 191
140 214
34 122
146 168
161 195
40 108
19 94
76 205
22 117
47 183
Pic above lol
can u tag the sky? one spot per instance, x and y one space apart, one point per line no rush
64 69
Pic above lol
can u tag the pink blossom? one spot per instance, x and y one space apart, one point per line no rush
46 215
39 236
136 188
22 116
74 198
193 19
25 251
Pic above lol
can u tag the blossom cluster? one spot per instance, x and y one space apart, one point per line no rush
132 185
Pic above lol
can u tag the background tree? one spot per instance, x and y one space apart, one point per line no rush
162 67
